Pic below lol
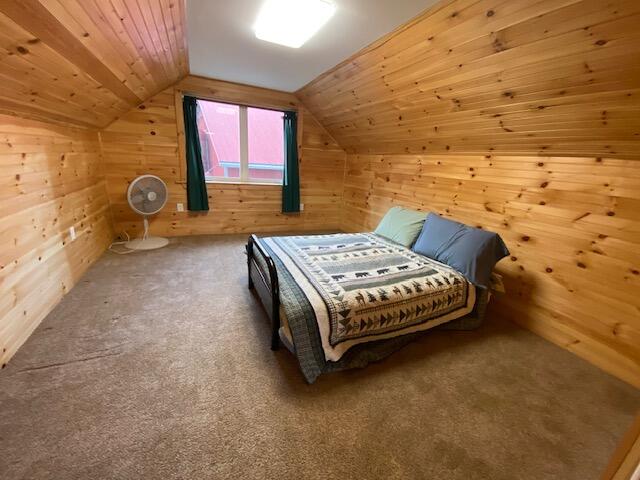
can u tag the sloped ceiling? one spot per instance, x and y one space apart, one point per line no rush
87 62
516 77
521 77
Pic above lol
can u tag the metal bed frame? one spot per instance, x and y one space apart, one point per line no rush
263 279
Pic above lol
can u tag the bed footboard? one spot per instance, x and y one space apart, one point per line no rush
263 279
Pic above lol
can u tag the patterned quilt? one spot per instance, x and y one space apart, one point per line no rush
362 287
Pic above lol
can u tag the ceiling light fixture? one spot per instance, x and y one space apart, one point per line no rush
292 22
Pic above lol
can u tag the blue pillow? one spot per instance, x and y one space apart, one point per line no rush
471 251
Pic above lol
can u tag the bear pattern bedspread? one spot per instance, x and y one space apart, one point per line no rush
362 287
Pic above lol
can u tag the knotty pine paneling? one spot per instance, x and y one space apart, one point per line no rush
50 180
572 226
516 77
145 140
88 62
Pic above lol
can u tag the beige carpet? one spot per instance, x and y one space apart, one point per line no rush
157 365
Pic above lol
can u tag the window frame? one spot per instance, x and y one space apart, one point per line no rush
243 120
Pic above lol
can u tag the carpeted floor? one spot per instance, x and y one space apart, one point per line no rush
157 365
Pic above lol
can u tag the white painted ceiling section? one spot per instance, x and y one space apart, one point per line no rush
222 43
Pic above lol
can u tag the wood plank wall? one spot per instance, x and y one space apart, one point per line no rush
572 226
145 140
50 180
522 117
87 62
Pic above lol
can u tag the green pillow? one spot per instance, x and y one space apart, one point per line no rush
401 225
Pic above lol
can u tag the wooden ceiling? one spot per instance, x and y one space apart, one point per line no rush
550 77
87 62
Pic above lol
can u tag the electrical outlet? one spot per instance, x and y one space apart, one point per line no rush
72 233
180 207
301 207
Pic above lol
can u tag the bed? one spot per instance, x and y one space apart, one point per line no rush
344 300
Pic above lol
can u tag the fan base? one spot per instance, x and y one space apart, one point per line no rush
149 243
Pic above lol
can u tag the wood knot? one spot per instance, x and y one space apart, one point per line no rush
600 43
525 238
490 13
548 269
22 50
544 184
581 265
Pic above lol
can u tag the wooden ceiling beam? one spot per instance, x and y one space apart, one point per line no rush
10 107
35 18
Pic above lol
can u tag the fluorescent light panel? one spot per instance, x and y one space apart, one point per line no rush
292 22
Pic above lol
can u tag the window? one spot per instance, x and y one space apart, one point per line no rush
241 144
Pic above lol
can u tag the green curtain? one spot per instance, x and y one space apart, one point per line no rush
291 180
197 199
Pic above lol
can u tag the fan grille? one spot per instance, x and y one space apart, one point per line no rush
147 194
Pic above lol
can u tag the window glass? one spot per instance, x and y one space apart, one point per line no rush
241 143
219 131
266 144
